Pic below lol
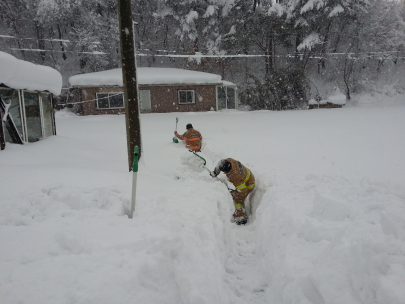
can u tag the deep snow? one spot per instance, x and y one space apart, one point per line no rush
20 74
328 222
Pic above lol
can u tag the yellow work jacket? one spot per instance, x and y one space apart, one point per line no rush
241 178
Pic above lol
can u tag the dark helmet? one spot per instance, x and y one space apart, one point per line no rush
189 126
224 166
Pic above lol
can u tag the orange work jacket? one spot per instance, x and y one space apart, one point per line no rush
193 139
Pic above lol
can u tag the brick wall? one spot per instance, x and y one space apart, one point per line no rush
163 99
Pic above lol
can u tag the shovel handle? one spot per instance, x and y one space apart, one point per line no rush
205 162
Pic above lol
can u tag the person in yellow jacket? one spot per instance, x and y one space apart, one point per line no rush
244 182
192 137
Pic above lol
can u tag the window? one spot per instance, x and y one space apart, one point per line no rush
47 112
33 116
186 96
110 100
30 115
226 97
13 125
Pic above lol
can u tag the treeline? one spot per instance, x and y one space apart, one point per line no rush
279 53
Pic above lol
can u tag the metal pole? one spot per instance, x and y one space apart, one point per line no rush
134 180
175 140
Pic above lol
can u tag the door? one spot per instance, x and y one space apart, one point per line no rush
144 97
221 98
47 112
231 98
33 116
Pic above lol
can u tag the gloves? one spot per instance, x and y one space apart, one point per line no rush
175 132
213 174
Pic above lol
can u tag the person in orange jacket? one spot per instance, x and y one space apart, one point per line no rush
244 182
192 137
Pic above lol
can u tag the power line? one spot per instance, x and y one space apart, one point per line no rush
197 56
373 55
84 101
295 55
40 50
52 40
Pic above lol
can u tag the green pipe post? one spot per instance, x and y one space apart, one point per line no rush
134 179
135 162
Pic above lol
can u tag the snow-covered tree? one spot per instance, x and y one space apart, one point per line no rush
342 42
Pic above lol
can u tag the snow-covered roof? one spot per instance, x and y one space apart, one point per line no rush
337 98
146 76
227 83
20 74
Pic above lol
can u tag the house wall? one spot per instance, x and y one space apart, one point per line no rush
163 99
327 105
90 107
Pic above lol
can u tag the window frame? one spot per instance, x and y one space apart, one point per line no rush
226 88
19 97
41 114
108 99
185 103
24 133
49 95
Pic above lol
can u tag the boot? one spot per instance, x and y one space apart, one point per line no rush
240 216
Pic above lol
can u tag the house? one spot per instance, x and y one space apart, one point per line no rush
161 90
26 100
323 104
335 100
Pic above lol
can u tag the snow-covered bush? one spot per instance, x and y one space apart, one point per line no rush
284 89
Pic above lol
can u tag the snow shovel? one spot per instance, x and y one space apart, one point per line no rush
175 140
205 162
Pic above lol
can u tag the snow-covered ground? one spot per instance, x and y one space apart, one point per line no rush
328 222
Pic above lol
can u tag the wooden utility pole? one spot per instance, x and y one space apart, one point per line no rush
2 137
131 101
